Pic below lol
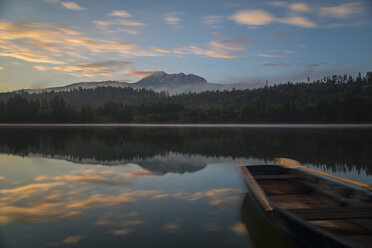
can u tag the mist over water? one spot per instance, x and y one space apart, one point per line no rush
152 186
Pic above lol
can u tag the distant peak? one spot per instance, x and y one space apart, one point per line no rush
157 74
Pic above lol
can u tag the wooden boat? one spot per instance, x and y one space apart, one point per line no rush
262 232
312 210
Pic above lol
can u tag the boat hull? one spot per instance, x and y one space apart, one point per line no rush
300 231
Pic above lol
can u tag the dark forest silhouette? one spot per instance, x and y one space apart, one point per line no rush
335 149
336 99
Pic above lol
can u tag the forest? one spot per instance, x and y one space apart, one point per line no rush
335 99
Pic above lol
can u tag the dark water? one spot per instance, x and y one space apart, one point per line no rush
154 187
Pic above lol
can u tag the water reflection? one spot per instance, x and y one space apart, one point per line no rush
117 205
141 187
261 231
334 149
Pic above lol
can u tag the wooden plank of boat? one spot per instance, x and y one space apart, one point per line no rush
312 210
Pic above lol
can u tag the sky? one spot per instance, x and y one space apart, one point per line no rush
46 43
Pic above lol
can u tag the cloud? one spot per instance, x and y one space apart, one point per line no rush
239 228
215 197
93 69
275 64
105 24
225 47
130 23
121 232
172 226
138 73
252 17
160 196
40 68
31 58
125 30
72 239
172 18
72 6
8 49
54 44
214 53
160 50
278 4
120 13
268 55
235 44
312 65
58 200
1 68
261 17
298 21
299 7
119 223
140 172
213 19
91 176
341 11
31 188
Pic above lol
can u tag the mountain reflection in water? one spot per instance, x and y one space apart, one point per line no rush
141 187
335 149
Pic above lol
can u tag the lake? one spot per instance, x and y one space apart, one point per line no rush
149 186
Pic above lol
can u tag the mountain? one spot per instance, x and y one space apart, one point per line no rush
162 79
84 85
158 81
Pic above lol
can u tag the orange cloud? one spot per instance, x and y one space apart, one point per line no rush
138 173
261 17
298 21
252 17
140 74
239 228
160 50
93 69
40 68
299 7
120 13
121 232
72 6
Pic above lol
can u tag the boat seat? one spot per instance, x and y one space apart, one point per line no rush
333 213
278 177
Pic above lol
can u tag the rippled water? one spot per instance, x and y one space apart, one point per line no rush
153 187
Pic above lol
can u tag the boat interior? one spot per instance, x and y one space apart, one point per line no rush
340 209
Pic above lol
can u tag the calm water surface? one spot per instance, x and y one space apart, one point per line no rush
154 187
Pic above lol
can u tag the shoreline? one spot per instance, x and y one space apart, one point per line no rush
188 125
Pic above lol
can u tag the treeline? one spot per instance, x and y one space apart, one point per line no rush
336 99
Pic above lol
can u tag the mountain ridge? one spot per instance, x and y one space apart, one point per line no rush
158 81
